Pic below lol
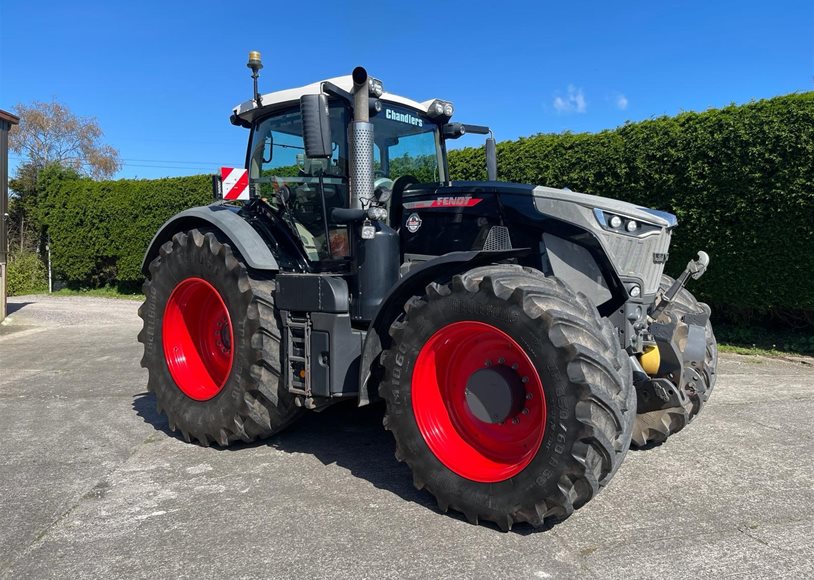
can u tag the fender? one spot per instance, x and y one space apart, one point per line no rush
245 240
413 284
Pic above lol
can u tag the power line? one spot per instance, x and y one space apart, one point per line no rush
127 161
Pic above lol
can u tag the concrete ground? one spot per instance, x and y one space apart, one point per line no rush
92 485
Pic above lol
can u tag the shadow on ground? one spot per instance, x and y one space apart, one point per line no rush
348 436
13 307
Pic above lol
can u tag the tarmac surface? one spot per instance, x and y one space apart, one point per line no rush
92 484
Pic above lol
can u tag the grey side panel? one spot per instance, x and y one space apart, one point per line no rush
631 256
243 237
575 266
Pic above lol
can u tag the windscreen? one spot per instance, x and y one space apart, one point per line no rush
406 143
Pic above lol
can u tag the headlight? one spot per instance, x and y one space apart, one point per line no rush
375 87
440 109
377 213
621 224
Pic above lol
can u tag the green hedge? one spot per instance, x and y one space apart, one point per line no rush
26 274
740 179
100 230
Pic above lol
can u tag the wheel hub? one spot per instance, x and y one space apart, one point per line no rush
494 394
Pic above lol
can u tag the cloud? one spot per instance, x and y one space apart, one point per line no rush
573 102
620 101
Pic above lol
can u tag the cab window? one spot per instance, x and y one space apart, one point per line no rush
282 175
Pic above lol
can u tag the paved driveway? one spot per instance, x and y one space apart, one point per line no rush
92 485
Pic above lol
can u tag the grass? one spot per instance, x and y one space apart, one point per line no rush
751 350
106 292
756 340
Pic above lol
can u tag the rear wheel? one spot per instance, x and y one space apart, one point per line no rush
508 396
212 343
655 427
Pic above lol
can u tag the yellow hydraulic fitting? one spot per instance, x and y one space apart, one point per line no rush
650 359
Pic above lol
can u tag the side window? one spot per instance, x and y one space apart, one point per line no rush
275 145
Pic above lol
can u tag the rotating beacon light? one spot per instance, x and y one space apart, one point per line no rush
255 64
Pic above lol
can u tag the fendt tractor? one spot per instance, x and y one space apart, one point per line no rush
521 337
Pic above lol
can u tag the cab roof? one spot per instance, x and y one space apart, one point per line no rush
248 110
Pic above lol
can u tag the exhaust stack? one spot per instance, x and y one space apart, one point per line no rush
361 158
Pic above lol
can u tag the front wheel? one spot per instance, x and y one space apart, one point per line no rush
508 396
212 343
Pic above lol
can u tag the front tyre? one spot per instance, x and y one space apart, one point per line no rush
508 395
212 343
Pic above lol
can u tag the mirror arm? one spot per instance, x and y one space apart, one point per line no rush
335 91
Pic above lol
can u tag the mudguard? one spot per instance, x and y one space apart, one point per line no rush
413 284
244 239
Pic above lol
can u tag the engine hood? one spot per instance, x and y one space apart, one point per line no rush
546 198
653 216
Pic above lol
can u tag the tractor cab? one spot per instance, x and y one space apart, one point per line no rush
330 162
408 147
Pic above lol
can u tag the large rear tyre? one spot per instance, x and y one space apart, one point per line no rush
508 396
212 343
654 427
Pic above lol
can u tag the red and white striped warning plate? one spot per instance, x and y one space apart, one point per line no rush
235 183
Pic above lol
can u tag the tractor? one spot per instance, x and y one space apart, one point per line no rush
520 337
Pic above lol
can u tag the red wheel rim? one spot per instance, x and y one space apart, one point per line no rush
474 449
198 339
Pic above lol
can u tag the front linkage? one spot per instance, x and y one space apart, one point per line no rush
677 370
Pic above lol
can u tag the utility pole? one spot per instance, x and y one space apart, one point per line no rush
6 122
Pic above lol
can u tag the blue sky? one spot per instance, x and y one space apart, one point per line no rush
161 77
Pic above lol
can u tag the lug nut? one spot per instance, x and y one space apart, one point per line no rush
516 420
525 411
514 366
487 363
524 380
529 396
501 360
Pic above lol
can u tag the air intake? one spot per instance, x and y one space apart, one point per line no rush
498 239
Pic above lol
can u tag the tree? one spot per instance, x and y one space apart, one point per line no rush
49 133
50 136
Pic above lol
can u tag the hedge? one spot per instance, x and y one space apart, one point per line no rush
100 230
26 274
740 180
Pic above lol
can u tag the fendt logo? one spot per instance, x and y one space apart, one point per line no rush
459 201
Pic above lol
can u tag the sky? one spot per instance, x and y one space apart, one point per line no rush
161 78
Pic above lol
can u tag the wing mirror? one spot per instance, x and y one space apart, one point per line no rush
316 126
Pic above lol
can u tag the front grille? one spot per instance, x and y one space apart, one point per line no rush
634 256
